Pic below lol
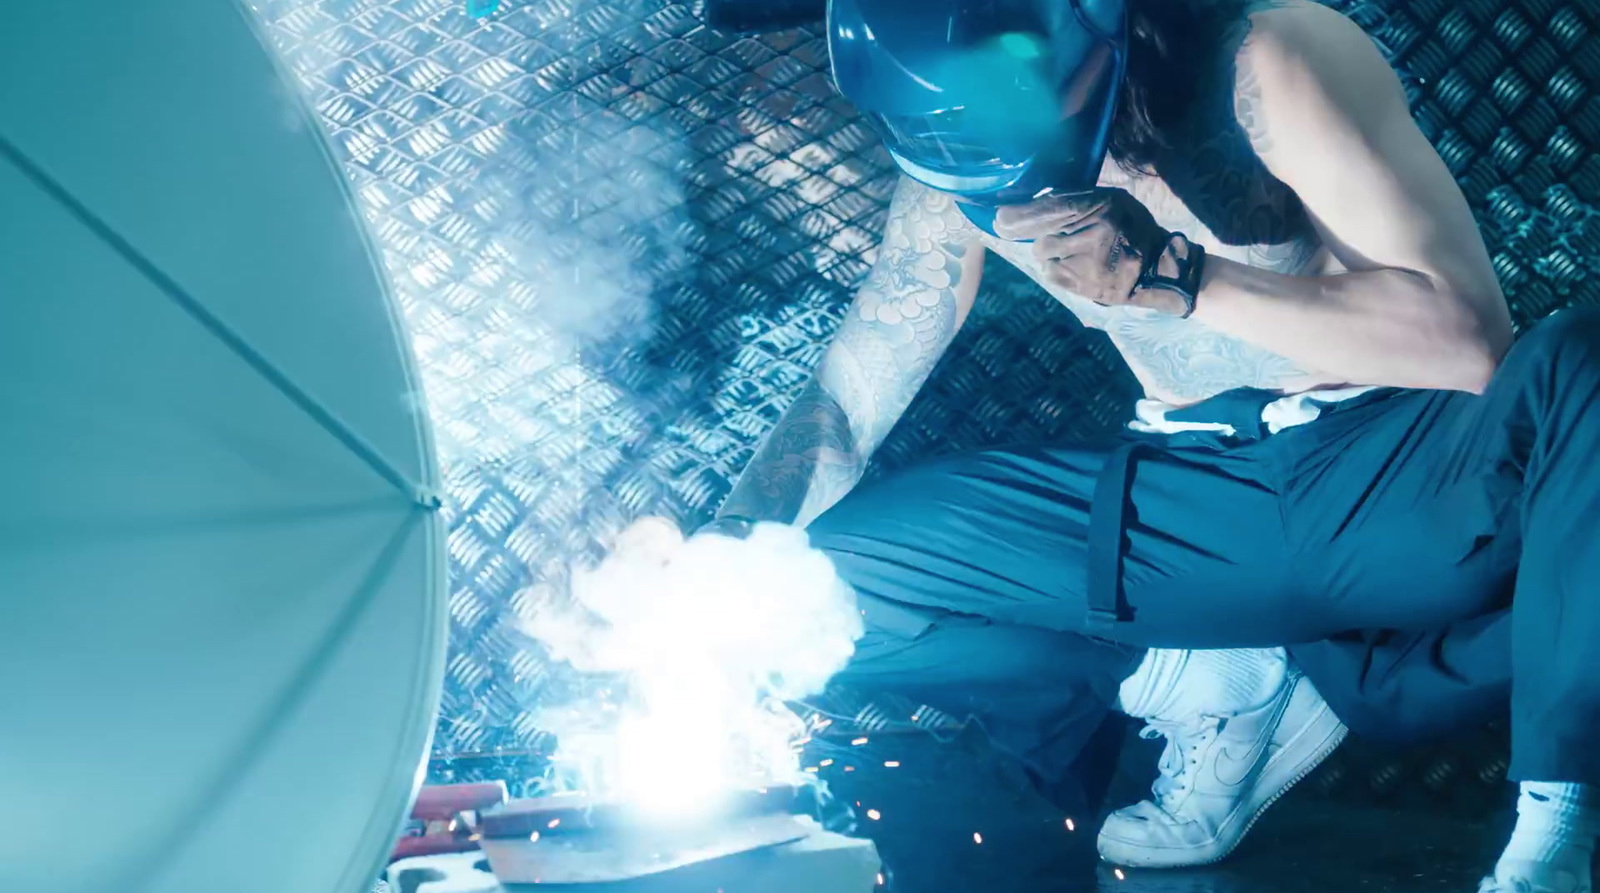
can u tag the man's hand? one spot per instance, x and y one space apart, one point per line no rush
1096 245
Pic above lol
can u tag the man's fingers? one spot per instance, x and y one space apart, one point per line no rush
1061 246
1046 215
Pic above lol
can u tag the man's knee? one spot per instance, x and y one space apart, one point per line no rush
880 534
872 509
941 495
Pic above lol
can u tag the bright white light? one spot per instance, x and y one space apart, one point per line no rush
709 637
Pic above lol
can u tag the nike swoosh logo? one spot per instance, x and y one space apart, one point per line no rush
1227 762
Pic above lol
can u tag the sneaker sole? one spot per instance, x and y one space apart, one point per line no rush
1320 736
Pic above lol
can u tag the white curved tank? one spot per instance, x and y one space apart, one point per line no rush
221 568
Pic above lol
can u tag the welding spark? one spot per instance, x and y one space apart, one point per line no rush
1119 874
977 838
858 742
892 764
712 637
1070 826
874 814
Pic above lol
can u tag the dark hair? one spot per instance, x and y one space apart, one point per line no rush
1176 50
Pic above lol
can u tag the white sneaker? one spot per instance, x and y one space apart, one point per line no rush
1218 775
1533 877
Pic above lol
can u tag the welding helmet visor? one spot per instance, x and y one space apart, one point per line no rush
994 101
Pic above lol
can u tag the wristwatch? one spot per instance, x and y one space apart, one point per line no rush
1191 262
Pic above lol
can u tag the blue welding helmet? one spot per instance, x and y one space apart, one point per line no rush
994 101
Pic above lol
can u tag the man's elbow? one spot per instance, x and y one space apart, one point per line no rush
1476 347
1473 371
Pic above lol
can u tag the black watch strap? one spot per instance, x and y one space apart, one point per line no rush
1191 266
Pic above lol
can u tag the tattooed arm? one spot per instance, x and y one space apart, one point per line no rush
903 318
1420 305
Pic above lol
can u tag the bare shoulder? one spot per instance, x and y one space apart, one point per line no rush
1297 61
1288 31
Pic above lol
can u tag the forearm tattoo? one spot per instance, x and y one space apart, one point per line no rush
810 453
903 318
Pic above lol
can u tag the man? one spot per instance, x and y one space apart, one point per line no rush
1335 436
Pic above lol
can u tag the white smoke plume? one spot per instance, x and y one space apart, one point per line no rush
707 637
534 232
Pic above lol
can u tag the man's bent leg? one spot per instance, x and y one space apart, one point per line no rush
1445 497
1405 688
1550 385
1006 535
935 554
1040 695
1421 510
969 562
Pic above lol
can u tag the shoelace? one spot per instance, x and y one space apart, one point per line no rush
1184 741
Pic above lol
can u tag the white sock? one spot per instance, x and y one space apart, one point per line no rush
1153 681
1555 834
1174 683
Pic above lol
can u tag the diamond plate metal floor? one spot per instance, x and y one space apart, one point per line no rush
1308 846
940 796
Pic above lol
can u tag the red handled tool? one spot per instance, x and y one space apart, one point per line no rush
445 819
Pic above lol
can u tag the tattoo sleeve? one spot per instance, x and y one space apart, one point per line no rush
1247 100
903 318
